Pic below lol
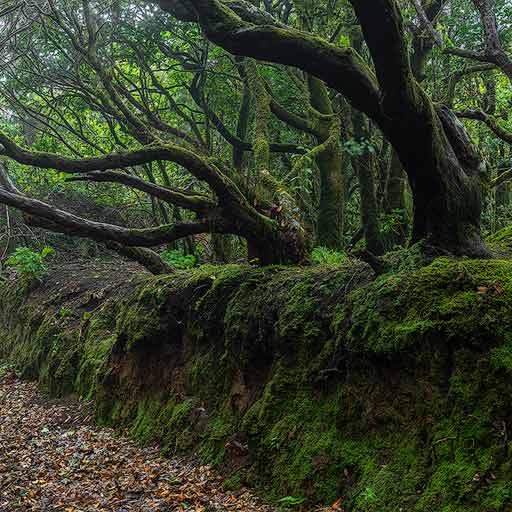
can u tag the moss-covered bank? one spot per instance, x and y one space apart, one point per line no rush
394 393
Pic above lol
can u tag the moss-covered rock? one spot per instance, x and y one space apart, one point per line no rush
393 392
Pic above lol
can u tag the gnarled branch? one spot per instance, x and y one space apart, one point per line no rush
490 121
194 202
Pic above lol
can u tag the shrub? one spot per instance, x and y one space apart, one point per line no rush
179 260
325 256
28 263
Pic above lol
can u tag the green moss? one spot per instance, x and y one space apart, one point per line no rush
143 426
391 392
449 299
501 241
261 100
234 482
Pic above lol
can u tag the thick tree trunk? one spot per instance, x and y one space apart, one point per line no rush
278 247
330 164
330 213
222 248
445 184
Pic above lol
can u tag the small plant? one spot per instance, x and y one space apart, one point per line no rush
291 501
65 312
359 147
179 260
28 263
325 256
369 495
392 222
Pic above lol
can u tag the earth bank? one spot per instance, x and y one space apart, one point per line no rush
390 392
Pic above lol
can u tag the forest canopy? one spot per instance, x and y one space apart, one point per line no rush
258 129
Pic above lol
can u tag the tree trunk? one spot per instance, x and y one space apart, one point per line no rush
445 185
330 165
394 202
222 248
278 247
369 207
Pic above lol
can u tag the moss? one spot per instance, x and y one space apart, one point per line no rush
144 424
261 99
446 300
212 449
391 392
234 482
501 241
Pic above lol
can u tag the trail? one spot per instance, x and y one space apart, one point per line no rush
52 458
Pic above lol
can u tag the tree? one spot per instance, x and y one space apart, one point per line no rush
301 114
442 165
87 73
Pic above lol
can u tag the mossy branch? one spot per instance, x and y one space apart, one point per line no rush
490 121
330 143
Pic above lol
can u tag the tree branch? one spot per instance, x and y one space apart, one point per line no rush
233 139
292 119
459 75
502 178
490 121
194 202
196 165
247 32
65 222
146 257
382 26
493 47
425 21
494 52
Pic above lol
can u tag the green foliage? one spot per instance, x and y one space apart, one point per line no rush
292 501
30 264
179 260
391 222
65 312
326 256
359 147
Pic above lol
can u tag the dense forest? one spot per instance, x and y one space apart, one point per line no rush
274 235
259 132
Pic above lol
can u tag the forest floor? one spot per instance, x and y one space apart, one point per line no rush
52 458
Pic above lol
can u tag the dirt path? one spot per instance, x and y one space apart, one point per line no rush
53 459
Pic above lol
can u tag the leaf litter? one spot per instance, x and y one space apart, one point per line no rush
52 458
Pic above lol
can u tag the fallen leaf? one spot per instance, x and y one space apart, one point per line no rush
337 505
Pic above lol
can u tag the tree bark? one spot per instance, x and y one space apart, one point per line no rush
330 165
369 206
278 246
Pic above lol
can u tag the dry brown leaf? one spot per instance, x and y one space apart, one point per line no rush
337 505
